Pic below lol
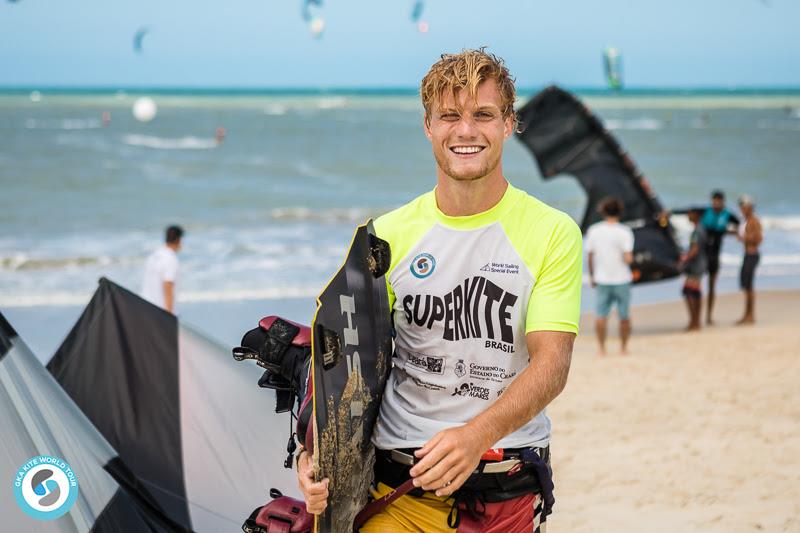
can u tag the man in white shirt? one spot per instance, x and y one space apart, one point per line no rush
609 245
161 271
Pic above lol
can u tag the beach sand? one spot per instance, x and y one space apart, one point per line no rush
690 432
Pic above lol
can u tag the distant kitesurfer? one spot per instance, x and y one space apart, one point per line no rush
717 222
161 271
751 235
485 287
694 264
609 247
219 134
106 116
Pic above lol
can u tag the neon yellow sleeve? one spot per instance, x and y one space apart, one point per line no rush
555 302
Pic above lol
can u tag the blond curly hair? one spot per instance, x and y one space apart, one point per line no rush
466 70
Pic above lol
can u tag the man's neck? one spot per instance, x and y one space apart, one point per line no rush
612 220
457 198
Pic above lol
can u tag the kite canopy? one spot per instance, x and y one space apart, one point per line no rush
190 423
612 65
566 138
38 418
138 38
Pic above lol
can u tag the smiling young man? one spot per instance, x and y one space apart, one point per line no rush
484 285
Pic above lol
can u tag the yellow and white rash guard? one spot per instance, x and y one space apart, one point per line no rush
464 291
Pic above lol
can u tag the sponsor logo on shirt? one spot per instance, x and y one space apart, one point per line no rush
471 390
490 373
426 384
475 309
502 268
460 369
423 265
429 363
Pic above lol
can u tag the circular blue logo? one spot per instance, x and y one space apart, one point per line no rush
423 265
45 487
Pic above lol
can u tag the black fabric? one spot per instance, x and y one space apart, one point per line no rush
121 346
565 138
6 334
133 494
748 271
121 515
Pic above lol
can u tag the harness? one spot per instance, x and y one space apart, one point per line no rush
501 475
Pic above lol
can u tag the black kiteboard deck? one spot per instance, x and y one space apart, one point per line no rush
351 358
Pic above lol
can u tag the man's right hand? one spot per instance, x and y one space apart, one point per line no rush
315 493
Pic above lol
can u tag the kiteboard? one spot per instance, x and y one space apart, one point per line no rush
351 358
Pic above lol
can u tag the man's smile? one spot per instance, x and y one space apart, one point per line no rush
469 149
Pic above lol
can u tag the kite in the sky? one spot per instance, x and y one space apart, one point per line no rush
139 37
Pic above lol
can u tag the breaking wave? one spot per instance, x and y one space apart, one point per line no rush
63 124
164 143
644 123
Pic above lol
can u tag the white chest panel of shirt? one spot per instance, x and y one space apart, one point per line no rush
161 266
608 242
459 314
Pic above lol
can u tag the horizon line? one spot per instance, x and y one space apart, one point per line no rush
641 90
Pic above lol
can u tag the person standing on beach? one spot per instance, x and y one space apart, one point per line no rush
609 247
161 271
717 222
693 264
484 286
751 235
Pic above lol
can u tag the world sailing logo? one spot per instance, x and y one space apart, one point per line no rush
422 266
45 487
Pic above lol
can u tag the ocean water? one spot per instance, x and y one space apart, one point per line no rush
270 211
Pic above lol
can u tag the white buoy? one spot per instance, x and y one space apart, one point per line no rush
36 96
144 109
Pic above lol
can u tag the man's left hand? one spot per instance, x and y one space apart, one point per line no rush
447 460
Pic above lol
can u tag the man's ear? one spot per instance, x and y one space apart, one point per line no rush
426 125
508 126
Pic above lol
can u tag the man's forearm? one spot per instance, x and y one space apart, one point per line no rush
532 390
169 296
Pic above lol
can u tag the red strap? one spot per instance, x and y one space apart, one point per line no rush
376 506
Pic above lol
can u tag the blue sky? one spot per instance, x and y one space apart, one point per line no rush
373 43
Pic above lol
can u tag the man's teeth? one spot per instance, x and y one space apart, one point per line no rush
467 149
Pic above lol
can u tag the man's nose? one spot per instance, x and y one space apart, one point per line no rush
466 127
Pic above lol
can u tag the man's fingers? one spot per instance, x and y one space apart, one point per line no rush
455 484
431 457
435 477
446 483
428 446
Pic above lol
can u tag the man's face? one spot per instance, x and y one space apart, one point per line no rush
467 135
717 204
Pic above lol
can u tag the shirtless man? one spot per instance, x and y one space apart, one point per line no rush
751 235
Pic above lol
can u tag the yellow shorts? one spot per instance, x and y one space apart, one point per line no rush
427 513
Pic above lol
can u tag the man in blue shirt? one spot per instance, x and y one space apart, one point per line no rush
717 221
